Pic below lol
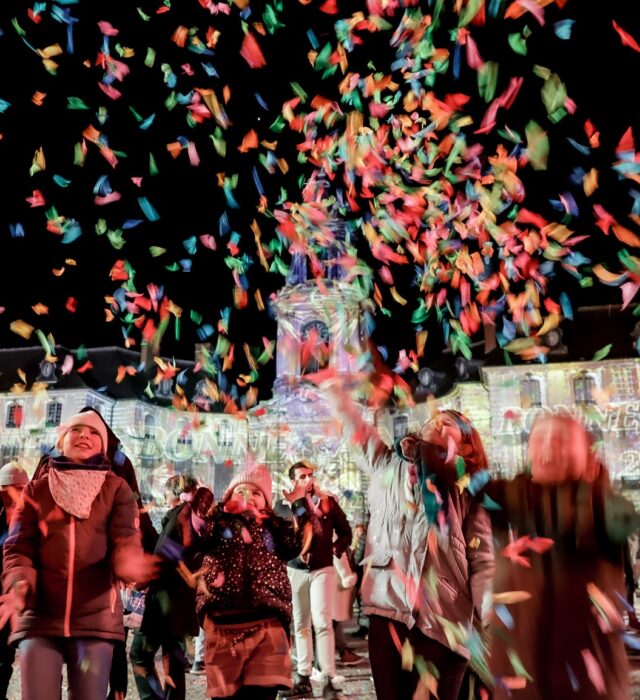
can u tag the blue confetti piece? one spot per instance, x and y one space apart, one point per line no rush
16 230
503 614
147 209
131 223
227 534
563 28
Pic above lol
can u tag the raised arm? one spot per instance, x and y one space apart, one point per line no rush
375 451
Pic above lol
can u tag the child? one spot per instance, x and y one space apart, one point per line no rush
75 531
244 596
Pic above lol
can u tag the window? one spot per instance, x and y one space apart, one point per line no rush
54 414
47 371
14 416
583 386
224 434
184 436
400 426
9 452
530 391
315 339
149 427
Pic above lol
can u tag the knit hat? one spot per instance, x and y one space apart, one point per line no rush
257 475
90 418
12 474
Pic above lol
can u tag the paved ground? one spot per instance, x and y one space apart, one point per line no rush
357 684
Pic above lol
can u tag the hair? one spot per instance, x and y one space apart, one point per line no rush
181 483
302 464
471 448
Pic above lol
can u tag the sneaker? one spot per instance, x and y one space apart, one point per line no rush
197 669
350 658
301 688
330 692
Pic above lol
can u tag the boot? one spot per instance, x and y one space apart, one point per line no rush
301 688
330 692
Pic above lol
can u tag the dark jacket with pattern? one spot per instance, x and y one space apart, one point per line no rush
244 566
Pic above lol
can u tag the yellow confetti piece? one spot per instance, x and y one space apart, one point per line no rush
21 328
510 597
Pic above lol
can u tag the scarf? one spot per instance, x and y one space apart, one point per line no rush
74 487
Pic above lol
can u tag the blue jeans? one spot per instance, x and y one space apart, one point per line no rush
88 664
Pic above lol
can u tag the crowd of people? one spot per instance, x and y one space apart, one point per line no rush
466 586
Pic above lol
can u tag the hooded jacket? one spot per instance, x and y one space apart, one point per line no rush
68 562
121 466
431 572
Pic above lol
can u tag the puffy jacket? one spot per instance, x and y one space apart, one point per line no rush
67 561
244 570
435 576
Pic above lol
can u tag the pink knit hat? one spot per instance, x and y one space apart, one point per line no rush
257 475
90 418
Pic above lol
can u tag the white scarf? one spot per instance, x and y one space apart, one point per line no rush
75 490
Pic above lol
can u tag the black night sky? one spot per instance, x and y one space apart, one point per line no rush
161 99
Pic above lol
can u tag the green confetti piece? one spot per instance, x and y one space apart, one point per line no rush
76 103
156 251
518 44
537 146
602 353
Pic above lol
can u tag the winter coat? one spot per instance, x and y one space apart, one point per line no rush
433 574
67 562
244 566
170 602
564 638
122 467
324 544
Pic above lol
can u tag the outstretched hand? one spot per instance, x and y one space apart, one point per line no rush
135 566
12 604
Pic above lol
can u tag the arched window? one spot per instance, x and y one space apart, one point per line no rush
315 346
54 414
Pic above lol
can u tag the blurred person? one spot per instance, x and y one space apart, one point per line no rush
357 555
313 584
73 534
13 479
429 557
559 585
169 613
559 582
244 595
